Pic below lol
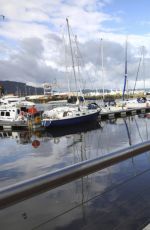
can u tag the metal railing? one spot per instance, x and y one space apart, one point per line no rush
21 191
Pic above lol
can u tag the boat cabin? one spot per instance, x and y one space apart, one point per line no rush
10 113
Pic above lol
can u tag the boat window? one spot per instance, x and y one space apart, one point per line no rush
7 114
2 113
18 111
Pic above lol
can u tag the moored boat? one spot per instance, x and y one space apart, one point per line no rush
65 116
12 116
70 115
136 103
9 113
12 100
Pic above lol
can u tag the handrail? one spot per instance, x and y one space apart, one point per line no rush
23 190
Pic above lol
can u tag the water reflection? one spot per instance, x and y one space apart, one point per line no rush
106 199
27 136
26 154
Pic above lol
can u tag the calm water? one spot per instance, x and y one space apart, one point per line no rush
20 159
114 198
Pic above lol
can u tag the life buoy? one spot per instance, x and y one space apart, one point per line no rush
36 143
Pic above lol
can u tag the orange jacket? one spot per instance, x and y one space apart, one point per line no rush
32 110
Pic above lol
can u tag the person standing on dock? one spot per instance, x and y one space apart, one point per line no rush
34 117
32 110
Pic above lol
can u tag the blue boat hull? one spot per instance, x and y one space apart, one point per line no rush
70 121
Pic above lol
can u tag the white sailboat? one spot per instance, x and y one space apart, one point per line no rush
140 102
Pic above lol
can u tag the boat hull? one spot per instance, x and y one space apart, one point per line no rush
70 121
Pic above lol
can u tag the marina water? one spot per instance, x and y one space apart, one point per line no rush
22 158
116 197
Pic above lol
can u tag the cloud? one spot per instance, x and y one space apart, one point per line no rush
35 47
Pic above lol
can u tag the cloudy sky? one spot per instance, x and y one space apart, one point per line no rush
34 45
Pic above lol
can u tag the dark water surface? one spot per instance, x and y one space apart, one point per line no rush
117 197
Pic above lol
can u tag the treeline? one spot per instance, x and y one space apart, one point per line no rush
19 88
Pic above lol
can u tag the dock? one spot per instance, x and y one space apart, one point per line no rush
13 125
123 113
19 125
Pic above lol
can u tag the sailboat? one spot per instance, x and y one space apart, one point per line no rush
140 102
70 115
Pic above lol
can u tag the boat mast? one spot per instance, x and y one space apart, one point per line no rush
65 46
143 57
78 52
102 65
73 65
137 74
141 61
125 77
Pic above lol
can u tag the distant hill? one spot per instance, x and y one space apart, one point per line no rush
19 88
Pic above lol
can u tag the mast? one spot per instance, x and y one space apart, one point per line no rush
73 65
125 77
76 42
102 65
137 74
143 55
66 66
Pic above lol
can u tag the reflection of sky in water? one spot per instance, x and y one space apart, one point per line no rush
19 160
113 198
